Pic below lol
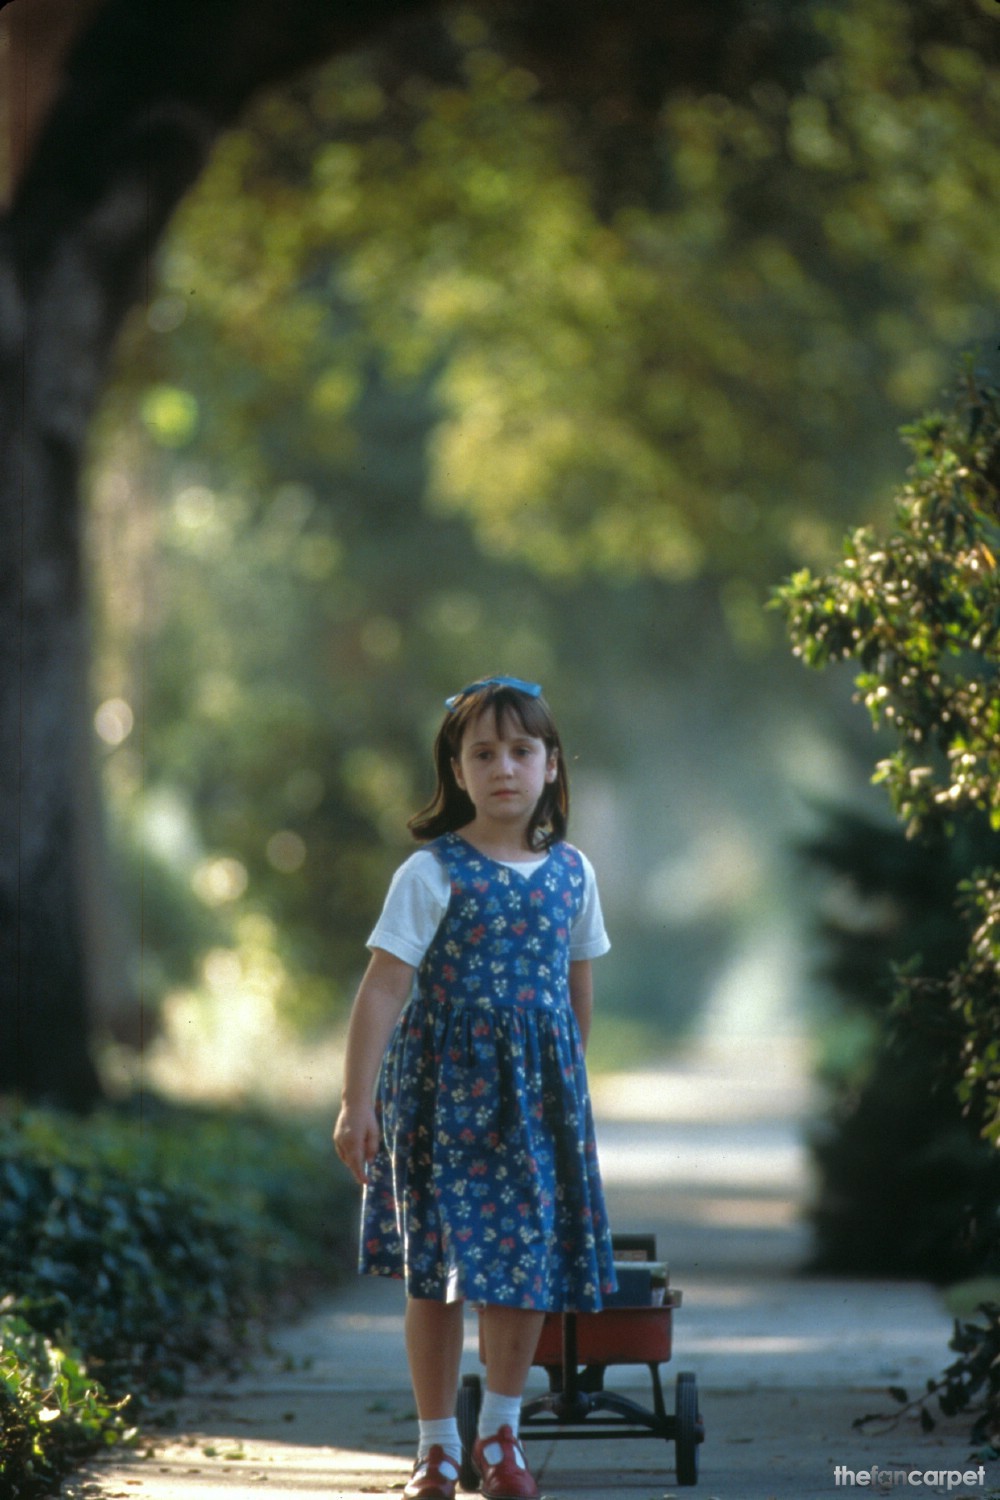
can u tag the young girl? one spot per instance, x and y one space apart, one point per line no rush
477 1158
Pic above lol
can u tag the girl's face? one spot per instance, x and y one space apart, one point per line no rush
502 769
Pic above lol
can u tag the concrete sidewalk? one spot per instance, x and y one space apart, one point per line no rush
710 1159
779 1445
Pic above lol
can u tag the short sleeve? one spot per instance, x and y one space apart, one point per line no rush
416 901
588 937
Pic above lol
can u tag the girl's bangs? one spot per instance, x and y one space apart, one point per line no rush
532 714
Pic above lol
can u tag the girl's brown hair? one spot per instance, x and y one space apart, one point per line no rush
451 809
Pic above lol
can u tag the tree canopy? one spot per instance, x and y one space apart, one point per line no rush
702 375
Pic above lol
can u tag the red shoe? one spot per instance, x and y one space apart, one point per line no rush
500 1463
433 1477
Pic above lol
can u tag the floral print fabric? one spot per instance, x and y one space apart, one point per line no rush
486 1184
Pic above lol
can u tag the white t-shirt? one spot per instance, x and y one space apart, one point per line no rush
418 898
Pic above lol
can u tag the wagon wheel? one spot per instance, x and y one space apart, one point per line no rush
689 1430
470 1399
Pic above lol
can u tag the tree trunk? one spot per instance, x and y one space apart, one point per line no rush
144 95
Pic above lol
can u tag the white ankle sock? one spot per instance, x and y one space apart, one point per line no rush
498 1411
443 1432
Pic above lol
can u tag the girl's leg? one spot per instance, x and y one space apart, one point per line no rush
510 1337
434 1335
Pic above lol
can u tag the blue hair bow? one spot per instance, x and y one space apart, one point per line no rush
529 689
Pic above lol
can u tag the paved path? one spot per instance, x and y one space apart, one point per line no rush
710 1157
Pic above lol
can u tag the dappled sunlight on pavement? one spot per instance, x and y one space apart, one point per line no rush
710 1154
761 1445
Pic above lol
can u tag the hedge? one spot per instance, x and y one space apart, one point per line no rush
139 1244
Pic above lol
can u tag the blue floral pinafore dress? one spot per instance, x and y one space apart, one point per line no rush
486 1184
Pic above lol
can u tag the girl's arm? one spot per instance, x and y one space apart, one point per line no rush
581 995
381 996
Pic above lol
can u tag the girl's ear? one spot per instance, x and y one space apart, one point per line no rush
552 768
456 771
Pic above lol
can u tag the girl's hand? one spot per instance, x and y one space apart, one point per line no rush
356 1137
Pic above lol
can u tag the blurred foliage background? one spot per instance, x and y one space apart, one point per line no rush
421 390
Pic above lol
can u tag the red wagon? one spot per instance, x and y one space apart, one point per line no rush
575 1349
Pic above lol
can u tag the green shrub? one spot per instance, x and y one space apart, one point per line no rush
51 1409
135 1245
895 1146
917 610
